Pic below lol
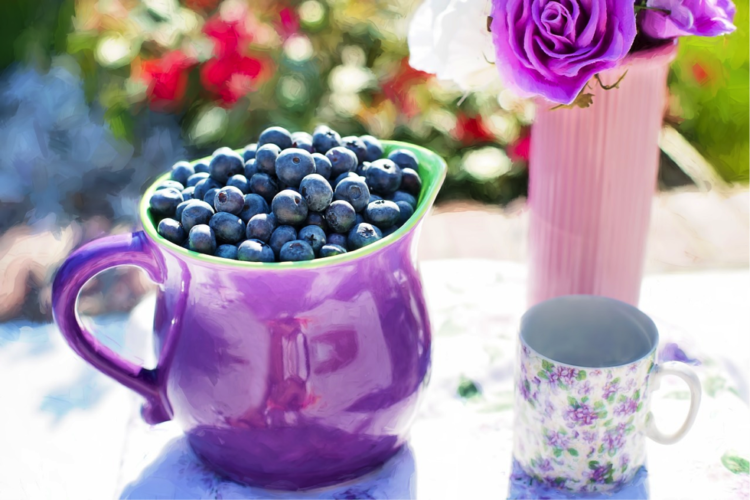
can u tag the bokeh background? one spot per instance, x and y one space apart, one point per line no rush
97 97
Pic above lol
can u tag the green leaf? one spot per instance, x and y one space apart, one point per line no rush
558 452
615 381
637 395
598 405
624 468
735 464
581 375
611 398
602 414
547 365
584 399
593 464
623 399
573 452
612 452
572 401
468 389
638 408
608 422
543 375
601 448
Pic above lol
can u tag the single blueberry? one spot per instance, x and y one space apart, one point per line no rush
345 175
229 199
249 152
383 177
210 195
195 213
362 168
382 213
355 191
289 207
316 219
204 187
181 172
240 182
324 139
172 230
403 196
404 159
264 185
316 191
342 160
280 236
201 239
251 168
331 251
296 251
373 146
322 165
187 193
254 204
292 165
224 164
180 208
356 146
410 181
194 179
405 212
227 227
170 184
336 239
362 235
303 140
313 235
275 135
340 216
255 251
164 202
389 231
201 167
265 158
226 252
261 227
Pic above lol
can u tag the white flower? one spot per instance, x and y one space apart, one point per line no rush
449 38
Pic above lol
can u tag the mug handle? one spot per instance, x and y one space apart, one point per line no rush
82 265
691 379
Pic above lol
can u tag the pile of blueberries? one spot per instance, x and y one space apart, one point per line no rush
290 197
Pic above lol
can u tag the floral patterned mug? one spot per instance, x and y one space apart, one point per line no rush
583 383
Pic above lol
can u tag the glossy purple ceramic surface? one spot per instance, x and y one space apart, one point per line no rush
281 377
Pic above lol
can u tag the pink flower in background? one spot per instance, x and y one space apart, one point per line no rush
687 17
166 78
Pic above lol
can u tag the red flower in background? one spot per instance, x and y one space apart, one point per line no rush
470 130
519 150
229 37
396 87
288 23
166 78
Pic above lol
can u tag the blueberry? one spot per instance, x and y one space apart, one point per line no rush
251 168
359 219
373 146
172 230
303 140
296 251
383 177
255 251
229 199
187 193
336 239
324 138
345 175
201 167
356 146
410 181
226 252
331 250
254 204
249 152
227 227
265 158
240 182
181 172
340 216
404 159
362 168
314 236
170 184
224 164
292 165
404 196
210 195
275 135
280 236
164 202
342 160
260 227
201 239
362 235
354 191
389 231
264 185
204 187
316 191
196 178
196 212
382 213
316 219
180 208
405 212
289 207
322 165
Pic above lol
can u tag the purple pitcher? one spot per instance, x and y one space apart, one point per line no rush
282 375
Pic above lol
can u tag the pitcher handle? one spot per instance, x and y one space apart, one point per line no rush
691 379
89 260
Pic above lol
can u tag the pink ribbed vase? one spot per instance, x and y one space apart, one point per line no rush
592 178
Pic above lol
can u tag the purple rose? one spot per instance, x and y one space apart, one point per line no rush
687 17
553 47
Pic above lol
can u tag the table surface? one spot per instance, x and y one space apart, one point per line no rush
69 432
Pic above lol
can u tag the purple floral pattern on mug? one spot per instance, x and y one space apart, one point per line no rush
576 428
